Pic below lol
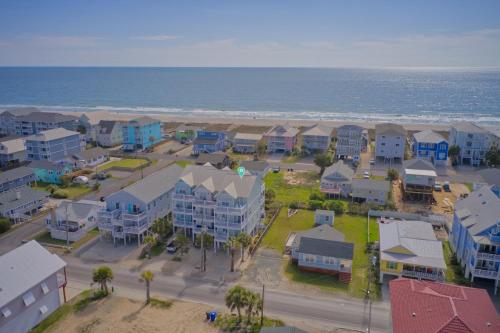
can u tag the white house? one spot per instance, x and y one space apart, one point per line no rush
351 141
370 190
419 177
336 180
474 142
390 141
90 157
317 138
109 133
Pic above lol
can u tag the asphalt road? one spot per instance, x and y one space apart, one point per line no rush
14 238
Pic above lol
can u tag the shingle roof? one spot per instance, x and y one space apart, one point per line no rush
92 153
468 127
52 134
350 128
432 307
12 146
20 111
415 238
371 184
156 184
106 126
428 136
25 267
79 210
283 130
390 129
141 121
213 158
255 165
341 168
418 164
323 231
9 200
248 136
16 173
49 117
327 248
318 130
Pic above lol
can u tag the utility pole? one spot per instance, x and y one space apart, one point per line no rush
67 226
262 307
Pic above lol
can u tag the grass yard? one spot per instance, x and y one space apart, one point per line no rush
454 271
74 191
184 163
130 163
286 193
45 238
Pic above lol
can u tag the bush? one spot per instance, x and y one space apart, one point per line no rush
109 175
52 188
60 194
334 205
82 304
315 204
96 186
4 225
66 179
160 303
392 174
317 196
294 205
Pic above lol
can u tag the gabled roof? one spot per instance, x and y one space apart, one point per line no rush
479 211
107 126
428 136
92 153
371 184
52 134
418 164
156 184
25 267
213 158
248 136
19 111
258 166
350 128
142 121
318 130
48 117
390 129
283 130
468 127
412 242
12 146
79 210
432 307
16 173
323 231
341 168
326 248
9 200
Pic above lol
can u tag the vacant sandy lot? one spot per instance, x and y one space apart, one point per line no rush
122 315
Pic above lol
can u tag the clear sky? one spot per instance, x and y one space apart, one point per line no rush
308 33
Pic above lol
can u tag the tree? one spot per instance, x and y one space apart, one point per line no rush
270 195
253 304
147 277
492 156
323 161
261 148
245 240
102 275
453 153
232 244
182 243
81 129
150 241
235 299
392 174
162 227
4 225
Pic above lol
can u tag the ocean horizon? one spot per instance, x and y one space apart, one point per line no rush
403 95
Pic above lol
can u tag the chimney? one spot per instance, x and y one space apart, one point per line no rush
18 195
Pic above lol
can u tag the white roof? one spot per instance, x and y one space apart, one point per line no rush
415 172
429 136
318 130
25 267
13 146
248 136
52 134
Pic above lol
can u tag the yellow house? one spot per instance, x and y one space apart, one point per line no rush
410 249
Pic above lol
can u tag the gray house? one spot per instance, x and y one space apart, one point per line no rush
20 203
351 141
372 191
317 138
246 143
15 178
8 119
336 180
12 151
324 217
30 279
390 142
419 177
109 133
36 122
257 168
53 145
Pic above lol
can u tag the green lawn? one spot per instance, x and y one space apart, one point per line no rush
130 163
286 193
74 191
469 186
453 271
45 238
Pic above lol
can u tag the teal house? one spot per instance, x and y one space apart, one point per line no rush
141 133
49 172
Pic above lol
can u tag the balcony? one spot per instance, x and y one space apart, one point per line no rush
108 215
488 256
134 217
485 273
136 229
221 236
182 196
105 226
200 202
439 276
237 210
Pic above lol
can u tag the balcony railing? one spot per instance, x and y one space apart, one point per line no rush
200 202
182 196
486 273
105 226
136 229
134 217
423 275
222 209
488 256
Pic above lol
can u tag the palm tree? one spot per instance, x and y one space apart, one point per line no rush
232 244
453 153
147 277
253 302
245 240
182 243
150 241
102 275
235 299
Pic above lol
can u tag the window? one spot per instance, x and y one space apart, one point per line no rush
329 261
309 258
43 309
28 298
392 265
45 288
6 312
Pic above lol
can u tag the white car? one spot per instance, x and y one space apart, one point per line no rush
372 161
81 180
366 174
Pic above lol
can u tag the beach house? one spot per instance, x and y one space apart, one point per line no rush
141 133
281 139
53 145
186 133
246 143
410 249
390 142
109 133
431 146
351 141
336 180
370 190
317 139
37 121
14 178
475 234
490 177
30 282
473 141
21 203
219 160
257 168
130 212
72 220
8 119
90 158
219 202
208 141
12 151
419 177
434 307
49 172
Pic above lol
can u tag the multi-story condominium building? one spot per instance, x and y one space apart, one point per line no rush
419 177
246 143
141 133
130 212
30 277
72 220
390 142
336 180
109 133
281 139
207 141
37 122
219 202
8 119
53 145
185 133
410 249
12 151
351 141
475 234
371 190
474 142
317 139
431 146
49 172
14 178
21 203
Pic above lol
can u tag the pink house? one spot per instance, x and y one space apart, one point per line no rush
281 139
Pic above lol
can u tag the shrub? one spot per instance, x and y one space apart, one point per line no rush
96 186
66 179
315 204
60 194
334 205
4 225
82 304
317 196
109 175
294 205
392 174
160 303
52 188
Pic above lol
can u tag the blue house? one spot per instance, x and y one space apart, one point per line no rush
49 172
141 133
209 142
53 145
475 234
431 146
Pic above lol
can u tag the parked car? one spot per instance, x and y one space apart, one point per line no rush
366 174
171 248
372 161
101 176
81 180
437 187
446 187
276 169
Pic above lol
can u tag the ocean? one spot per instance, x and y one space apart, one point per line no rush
437 96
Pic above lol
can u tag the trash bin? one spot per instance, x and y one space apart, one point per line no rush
213 315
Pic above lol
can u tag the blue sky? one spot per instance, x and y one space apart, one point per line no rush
250 33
